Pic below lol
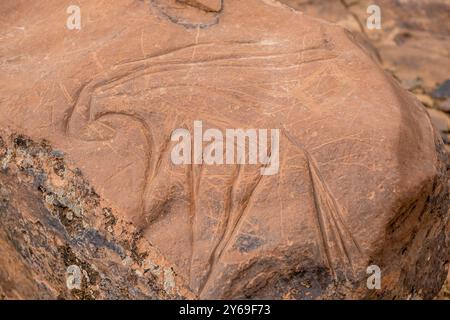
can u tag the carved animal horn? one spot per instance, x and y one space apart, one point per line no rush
204 5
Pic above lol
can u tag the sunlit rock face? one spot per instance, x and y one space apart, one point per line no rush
361 178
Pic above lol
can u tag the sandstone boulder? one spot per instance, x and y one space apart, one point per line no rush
362 178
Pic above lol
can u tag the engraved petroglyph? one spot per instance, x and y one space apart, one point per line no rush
87 121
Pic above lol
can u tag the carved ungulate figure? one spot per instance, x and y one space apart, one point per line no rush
211 218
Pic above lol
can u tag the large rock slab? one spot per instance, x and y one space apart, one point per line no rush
362 177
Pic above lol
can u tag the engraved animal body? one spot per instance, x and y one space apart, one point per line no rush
106 102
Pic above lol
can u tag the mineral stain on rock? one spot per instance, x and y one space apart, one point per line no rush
443 91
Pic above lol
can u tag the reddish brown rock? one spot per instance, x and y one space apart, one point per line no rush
52 222
362 177
413 39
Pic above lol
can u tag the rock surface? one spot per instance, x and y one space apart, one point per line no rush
413 42
362 179
51 221
413 39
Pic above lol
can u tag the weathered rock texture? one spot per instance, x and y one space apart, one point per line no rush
413 40
413 44
362 177
50 219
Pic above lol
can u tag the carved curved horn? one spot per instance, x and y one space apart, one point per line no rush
204 5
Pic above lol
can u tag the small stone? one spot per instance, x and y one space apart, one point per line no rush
444 105
443 91
439 119
69 215
138 273
425 99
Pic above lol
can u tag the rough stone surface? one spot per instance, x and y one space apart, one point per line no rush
413 39
52 222
363 177
412 44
